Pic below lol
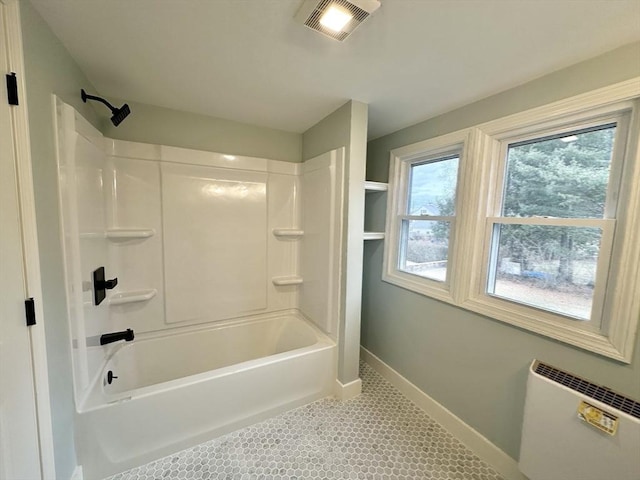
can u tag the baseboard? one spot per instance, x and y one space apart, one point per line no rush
348 390
77 473
478 444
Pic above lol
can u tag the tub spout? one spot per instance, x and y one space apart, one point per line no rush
127 336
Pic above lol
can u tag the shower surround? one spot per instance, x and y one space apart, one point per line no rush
228 271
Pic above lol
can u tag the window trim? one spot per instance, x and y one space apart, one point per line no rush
401 161
478 176
607 223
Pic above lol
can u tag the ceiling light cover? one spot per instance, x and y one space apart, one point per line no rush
312 12
335 18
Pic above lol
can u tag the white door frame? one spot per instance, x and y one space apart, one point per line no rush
20 124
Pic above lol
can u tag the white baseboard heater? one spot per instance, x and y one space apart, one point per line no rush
576 430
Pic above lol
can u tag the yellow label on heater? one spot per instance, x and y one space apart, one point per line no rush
598 418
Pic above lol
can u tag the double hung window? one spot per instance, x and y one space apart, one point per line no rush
532 220
425 216
552 233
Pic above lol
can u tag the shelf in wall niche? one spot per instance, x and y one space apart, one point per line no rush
129 233
288 232
97 234
281 281
133 296
373 235
375 186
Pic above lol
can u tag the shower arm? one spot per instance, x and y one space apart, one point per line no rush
86 96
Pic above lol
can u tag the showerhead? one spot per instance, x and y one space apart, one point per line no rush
117 114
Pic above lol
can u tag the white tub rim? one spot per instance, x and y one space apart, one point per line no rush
98 399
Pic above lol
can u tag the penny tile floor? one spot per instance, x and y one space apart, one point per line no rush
378 435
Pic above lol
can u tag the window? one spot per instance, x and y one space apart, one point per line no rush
555 221
532 220
430 210
424 219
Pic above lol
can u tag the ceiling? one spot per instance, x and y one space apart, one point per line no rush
249 61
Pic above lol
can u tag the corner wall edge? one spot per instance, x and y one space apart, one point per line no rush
471 438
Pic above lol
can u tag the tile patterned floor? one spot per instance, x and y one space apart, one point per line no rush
378 435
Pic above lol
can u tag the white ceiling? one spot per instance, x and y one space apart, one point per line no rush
249 61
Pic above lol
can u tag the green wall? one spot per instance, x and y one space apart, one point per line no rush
475 366
164 126
49 69
346 127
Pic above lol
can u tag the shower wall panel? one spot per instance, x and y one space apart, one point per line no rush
215 242
134 205
91 214
193 237
283 203
322 183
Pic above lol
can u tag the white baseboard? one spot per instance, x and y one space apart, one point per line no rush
478 444
348 390
77 473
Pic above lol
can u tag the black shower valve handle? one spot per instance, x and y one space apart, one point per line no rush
101 285
110 284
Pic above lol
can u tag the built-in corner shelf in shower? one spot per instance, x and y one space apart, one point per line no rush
133 296
129 233
288 232
282 281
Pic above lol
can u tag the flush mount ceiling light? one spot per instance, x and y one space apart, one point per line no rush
335 18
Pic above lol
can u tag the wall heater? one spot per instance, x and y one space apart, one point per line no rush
576 430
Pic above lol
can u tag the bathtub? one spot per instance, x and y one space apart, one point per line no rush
175 391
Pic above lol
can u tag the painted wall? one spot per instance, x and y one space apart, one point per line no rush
49 69
164 126
475 366
347 127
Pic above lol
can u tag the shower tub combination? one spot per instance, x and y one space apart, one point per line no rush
170 392
227 270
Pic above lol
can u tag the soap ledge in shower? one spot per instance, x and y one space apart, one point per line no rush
129 233
281 281
132 296
288 232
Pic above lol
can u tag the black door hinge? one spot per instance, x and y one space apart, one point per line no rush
30 311
12 88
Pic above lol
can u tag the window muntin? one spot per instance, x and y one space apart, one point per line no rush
428 215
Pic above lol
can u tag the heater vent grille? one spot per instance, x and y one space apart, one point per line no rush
313 21
591 390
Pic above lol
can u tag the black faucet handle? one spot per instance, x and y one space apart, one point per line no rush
101 285
129 335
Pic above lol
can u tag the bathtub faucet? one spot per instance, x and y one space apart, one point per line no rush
127 336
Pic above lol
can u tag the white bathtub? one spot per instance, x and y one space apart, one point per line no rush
174 391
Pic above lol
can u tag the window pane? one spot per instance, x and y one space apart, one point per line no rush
563 177
425 248
548 267
432 187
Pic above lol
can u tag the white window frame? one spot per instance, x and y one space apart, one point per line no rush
402 160
478 198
